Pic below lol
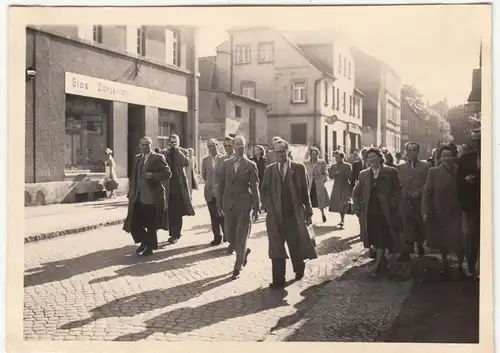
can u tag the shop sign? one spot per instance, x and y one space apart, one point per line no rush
88 86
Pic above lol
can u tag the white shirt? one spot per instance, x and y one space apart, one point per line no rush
375 172
237 162
146 156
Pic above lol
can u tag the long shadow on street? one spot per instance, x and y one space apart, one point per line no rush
165 263
65 269
189 319
141 303
435 311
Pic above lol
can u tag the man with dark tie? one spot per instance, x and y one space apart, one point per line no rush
146 196
285 197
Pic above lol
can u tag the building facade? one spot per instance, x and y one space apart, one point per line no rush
99 87
224 113
414 128
308 84
382 102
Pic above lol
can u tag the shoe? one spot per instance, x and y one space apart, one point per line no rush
245 259
299 276
147 252
236 275
140 249
324 218
230 250
421 251
172 240
277 285
216 241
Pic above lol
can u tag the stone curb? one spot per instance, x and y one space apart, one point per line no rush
82 229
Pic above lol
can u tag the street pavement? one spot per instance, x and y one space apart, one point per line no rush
91 286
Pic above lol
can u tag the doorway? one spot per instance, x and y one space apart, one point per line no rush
136 130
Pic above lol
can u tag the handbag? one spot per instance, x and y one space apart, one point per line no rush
111 185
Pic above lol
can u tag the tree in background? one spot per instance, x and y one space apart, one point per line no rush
461 124
433 115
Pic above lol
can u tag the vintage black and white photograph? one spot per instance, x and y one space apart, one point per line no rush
255 174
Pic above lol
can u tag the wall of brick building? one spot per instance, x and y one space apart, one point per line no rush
55 56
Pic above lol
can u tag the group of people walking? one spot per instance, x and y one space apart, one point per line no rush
398 205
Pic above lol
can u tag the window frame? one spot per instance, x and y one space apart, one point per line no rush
238 51
303 99
236 109
300 127
260 47
97 33
176 46
141 41
245 85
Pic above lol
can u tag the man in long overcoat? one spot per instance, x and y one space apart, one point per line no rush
237 196
413 174
177 191
285 196
147 203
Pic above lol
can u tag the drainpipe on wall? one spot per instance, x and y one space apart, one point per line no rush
232 66
34 106
316 82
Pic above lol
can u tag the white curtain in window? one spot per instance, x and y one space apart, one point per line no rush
132 39
86 32
169 46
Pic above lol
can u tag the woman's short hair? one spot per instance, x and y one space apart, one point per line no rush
261 149
313 149
378 152
448 147
339 153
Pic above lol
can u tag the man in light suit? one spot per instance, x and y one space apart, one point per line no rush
237 196
208 173
147 209
413 175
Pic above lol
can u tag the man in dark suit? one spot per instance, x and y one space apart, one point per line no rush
146 195
357 167
469 196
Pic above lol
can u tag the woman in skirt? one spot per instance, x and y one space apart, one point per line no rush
340 172
316 170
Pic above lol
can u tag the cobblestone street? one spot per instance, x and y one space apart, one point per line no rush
92 286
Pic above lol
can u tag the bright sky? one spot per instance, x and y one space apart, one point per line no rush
434 48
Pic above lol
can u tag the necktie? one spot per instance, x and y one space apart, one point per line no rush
141 163
282 171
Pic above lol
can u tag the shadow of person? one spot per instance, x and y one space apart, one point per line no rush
187 319
311 297
334 245
148 268
64 269
141 303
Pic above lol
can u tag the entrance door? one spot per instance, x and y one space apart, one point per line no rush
136 130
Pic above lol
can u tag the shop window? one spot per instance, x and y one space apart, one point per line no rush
86 133
169 122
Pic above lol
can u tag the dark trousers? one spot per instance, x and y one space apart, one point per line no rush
144 225
291 237
216 220
175 213
473 219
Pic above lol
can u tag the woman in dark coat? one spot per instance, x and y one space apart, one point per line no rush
340 197
441 208
376 199
260 159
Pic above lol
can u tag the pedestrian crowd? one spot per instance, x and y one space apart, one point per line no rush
404 204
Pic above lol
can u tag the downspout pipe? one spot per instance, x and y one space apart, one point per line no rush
316 111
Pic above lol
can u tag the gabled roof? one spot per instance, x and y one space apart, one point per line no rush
321 66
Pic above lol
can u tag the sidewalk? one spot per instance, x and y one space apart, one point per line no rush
44 222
